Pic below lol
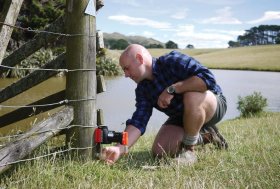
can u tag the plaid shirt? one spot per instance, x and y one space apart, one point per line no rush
167 69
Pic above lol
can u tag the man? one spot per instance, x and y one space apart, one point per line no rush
182 88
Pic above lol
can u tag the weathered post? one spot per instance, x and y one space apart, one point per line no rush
81 85
9 16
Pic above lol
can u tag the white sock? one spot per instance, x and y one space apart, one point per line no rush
191 140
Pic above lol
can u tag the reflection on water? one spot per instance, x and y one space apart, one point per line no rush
118 101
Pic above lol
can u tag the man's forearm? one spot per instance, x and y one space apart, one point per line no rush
192 84
133 135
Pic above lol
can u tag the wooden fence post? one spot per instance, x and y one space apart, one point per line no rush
8 16
81 85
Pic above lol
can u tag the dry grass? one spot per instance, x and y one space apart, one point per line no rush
252 161
262 58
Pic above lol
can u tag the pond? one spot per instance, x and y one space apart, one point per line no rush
118 102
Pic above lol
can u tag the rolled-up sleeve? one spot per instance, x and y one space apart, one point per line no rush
143 111
185 66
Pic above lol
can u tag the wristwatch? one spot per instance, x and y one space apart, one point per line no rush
171 90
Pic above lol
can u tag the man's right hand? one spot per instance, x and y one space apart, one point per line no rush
111 154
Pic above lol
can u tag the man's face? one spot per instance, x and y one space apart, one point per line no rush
133 70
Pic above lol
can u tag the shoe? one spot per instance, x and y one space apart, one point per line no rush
211 135
186 157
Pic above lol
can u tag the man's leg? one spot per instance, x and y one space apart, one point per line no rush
199 108
169 138
168 141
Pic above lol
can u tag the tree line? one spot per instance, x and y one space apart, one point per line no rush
121 44
261 35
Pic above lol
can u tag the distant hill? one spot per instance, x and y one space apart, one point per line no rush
132 39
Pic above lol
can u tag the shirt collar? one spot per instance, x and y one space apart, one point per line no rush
154 62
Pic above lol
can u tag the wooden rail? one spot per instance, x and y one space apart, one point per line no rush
25 144
80 54
40 40
8 15
23 113
32 79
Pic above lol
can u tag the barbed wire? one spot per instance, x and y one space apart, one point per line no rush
47 69
66 101
49 130
42 156
44 31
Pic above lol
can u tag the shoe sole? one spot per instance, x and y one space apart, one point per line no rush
223 144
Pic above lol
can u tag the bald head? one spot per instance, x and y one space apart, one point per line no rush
131 52
136 62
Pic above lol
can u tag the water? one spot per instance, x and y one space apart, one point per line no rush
118 101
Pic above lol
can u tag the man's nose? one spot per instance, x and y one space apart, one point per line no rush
126 74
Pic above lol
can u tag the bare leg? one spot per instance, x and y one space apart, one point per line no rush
168 141
199 108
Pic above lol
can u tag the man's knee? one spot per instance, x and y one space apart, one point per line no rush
158 151
195 102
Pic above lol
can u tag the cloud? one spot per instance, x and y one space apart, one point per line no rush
220 2
186 34
179 15
140 21
133 3
228 32
268 15
148 34
224 16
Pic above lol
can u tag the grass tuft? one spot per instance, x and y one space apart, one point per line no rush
252 161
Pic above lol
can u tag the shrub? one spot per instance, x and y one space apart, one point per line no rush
251 105
107 67
36 60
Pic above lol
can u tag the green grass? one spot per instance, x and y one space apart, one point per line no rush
260 58
252 161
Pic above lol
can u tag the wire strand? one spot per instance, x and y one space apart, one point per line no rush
45 131
47 32
47 69
46 155
66 101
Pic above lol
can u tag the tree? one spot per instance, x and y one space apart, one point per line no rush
190 46
233 44
171 45
277 41
35 14
155 46
119 44
261 35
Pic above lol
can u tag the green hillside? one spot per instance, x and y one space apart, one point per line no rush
262 58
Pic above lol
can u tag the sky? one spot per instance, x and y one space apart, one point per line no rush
202 23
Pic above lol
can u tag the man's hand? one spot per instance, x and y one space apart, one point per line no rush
164 99
111 154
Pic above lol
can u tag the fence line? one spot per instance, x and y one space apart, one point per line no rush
43 69
46 32
66 101
50 130
46 155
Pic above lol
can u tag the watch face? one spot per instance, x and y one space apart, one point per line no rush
171 90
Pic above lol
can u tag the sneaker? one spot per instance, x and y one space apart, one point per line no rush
186 157
212 135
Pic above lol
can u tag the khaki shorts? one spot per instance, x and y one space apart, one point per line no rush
218 116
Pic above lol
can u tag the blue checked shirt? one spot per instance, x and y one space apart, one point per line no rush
167 70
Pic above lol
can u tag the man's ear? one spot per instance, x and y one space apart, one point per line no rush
139 58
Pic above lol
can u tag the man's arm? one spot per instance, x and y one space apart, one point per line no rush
192 84
112 153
